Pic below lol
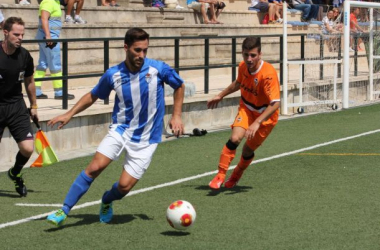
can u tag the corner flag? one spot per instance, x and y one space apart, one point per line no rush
46 153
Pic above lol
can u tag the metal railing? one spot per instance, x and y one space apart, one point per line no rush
177 60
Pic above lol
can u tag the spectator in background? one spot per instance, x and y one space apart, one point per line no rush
49 27
219 7
328 28
202 6
355 29
278 10
309 11
69 7
337 19
1 20
110 3
265 7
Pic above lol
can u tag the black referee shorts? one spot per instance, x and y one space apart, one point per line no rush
16 117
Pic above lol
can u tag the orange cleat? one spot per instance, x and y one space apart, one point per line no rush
217 181
233 180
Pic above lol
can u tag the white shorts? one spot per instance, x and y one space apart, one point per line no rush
197 6
137 156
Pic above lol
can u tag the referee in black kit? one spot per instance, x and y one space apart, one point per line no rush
16 66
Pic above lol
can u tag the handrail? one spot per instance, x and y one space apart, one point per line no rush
176 39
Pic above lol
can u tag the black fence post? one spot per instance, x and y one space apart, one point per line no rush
65 73
176 55
207 64
233 59
106 62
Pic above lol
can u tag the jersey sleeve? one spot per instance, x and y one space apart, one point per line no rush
272 87
170 76
240 72
104 87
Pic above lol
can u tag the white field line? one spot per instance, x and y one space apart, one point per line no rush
143 190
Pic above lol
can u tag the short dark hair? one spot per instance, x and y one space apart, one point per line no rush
135 34
12 20
251 43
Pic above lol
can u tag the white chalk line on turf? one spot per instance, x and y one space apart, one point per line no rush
143 190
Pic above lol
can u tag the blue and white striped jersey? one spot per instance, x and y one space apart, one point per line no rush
139 102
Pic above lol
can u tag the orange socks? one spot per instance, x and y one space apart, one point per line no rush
242 165
226 157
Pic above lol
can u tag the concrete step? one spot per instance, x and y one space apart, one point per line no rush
140 15
230 4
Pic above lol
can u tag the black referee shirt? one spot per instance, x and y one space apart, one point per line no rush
13 69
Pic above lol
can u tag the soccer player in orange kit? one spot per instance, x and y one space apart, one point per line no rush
258 111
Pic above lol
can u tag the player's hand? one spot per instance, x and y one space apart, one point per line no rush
176 125
251 131
34 115
213 103
61 119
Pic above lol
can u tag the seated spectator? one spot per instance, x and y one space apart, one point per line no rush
265 7
355 29
69 7
328 28
337 18
278 10
202 6
309 11
219 7
110 3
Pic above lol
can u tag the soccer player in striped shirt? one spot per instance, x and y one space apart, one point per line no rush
136 122
258 111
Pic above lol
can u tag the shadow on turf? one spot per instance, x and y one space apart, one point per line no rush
87 219
175 233
227 191
12 194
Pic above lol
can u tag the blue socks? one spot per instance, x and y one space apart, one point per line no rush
80 186
112 195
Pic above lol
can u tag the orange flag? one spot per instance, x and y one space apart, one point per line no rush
47 155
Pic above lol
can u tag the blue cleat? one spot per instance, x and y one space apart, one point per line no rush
57 218
106 212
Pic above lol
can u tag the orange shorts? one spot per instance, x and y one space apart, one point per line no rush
244 119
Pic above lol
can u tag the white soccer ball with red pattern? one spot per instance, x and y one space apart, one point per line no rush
181 215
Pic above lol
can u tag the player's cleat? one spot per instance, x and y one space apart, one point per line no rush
19 183
217 181
106 212
57 218
233 180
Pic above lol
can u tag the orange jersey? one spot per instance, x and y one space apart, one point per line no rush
259 89
353 19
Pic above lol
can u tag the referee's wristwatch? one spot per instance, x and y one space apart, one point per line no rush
33 107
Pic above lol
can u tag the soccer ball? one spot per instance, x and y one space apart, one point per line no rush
181 215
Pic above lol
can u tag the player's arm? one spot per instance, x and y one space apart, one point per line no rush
175 122
252 129
86 101
45 15
233 87
30 89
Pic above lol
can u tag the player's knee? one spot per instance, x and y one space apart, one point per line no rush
125 188
236 139
27 151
